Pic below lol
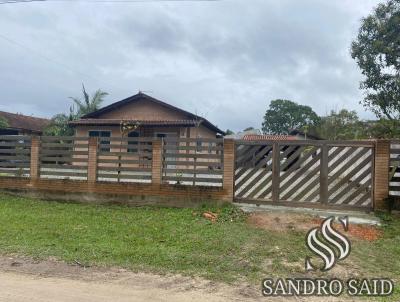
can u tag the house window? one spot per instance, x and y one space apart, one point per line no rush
100 134
133 145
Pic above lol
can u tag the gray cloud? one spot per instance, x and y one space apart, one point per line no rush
225 60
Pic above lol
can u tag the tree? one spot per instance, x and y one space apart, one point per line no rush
249 128
88 104
59 125
341 125
229 132
3 122
284 115
377 52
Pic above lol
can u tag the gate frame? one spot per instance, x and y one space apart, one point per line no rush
323 202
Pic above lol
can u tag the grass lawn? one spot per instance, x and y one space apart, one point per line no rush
175 240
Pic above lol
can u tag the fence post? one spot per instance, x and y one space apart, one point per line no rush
92 160
156 163
323 185
34 165
275 171
229 169
381 173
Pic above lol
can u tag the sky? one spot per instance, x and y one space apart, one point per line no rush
224 60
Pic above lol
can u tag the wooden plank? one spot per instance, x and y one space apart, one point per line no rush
15 157
126 146
63 159
48 153
265 183
348 186
58 166
63 145
359 190
192 171
194 140
197 155
301 183
349 164
194 148
196 179
63 138
15 151
275 172
190 163
124 161
262 164
25 164
62 173
125 154
122 176
15 137
26 145
125 169
323 174
351 173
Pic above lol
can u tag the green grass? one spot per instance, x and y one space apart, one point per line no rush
175 240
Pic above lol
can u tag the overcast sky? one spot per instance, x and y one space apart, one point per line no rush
224 60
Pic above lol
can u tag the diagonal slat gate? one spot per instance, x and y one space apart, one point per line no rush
305 173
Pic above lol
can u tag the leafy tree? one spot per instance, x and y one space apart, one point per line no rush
341 125
229 132
3 122
382 128
377 52
59 125
89 104
284 115
249 128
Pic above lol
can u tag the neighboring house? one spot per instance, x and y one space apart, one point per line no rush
147 117
241 134
18 124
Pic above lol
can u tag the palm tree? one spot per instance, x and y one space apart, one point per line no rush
88 104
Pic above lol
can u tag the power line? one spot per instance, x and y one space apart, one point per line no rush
39 54
104 1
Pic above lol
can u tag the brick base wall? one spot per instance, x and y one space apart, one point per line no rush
123 193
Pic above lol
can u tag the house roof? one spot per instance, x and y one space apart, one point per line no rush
24 122
141 96
269 137
117 122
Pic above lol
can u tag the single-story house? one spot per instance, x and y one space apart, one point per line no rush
144 116
18 124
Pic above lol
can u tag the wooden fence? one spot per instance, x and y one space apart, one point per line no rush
124 159
64 157
15 153
305 173
333 174
197 162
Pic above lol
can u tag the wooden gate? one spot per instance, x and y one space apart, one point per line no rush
305 173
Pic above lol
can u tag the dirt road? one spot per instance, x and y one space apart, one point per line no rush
23 279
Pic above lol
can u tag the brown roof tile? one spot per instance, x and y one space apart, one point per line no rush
24 122
269 137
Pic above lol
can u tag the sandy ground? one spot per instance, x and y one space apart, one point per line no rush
23 279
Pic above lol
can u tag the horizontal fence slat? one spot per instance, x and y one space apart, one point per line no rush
124 161
123 176
62 173
125 154
194 171
125 169
194 148
14 137
190 163
197 155
58 166
64 159
189 140
195 179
